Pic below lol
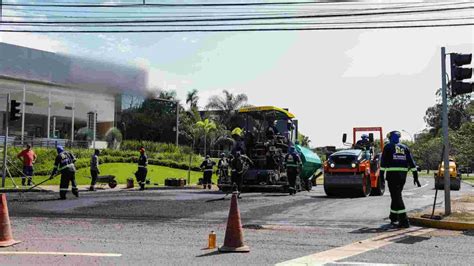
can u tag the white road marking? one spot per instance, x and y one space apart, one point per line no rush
60 253
364 263
356 248
416 188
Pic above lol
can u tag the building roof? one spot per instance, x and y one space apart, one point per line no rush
22 63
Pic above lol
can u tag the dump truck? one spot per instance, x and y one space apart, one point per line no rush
355 170
266 150
454 175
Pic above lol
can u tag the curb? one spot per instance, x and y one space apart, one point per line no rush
448 225
467 183
16 190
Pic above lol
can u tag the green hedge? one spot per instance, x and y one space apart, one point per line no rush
167 156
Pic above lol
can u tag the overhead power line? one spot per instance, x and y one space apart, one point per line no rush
335 15
230 4
245 29
252 24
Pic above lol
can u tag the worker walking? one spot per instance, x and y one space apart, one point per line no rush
64 164
397 161
94 169
293 164
237 165
207 165
28 158
223 167
142 169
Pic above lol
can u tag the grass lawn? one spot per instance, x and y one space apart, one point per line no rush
122 171
469 178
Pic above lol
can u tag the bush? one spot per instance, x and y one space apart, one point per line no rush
158 154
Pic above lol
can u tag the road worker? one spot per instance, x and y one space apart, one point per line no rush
207 165
396 162
64 164
94 169
293 164
223 167
237 165
28 158
142 168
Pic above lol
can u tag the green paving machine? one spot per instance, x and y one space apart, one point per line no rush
265 134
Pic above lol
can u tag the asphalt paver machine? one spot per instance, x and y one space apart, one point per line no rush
266 134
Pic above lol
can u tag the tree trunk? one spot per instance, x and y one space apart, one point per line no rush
205 144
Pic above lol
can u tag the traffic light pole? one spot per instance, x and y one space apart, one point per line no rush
447 183
7 119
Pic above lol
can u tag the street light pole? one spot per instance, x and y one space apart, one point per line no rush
447 181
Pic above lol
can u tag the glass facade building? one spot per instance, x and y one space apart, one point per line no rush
58 92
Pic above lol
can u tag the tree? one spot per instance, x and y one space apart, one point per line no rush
458 112
152 120
227 104
303 140
204 127
192 99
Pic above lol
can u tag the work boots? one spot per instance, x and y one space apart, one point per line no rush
75 192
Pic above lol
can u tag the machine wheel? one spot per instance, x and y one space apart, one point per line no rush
366 187
112 183
380 189
309 185
455 184
330 192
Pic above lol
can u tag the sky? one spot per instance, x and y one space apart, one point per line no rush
331 80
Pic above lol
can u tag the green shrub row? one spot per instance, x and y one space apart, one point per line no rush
170 157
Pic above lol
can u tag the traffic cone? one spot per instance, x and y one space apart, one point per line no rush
234 238
6 237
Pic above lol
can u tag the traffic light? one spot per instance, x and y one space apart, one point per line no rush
14 110
459 73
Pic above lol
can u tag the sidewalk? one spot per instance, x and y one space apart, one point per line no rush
461 218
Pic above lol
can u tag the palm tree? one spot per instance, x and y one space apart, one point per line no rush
192 99
204 127
227 103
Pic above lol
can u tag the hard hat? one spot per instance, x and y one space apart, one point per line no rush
59 148
394 136
207 156
222 154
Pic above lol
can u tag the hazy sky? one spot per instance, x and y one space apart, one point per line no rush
331 80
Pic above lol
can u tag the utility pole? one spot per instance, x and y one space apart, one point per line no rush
447 181
7 119
177 123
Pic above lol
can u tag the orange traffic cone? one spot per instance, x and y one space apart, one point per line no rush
6 238
234 238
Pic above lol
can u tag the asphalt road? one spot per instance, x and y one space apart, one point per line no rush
170 227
